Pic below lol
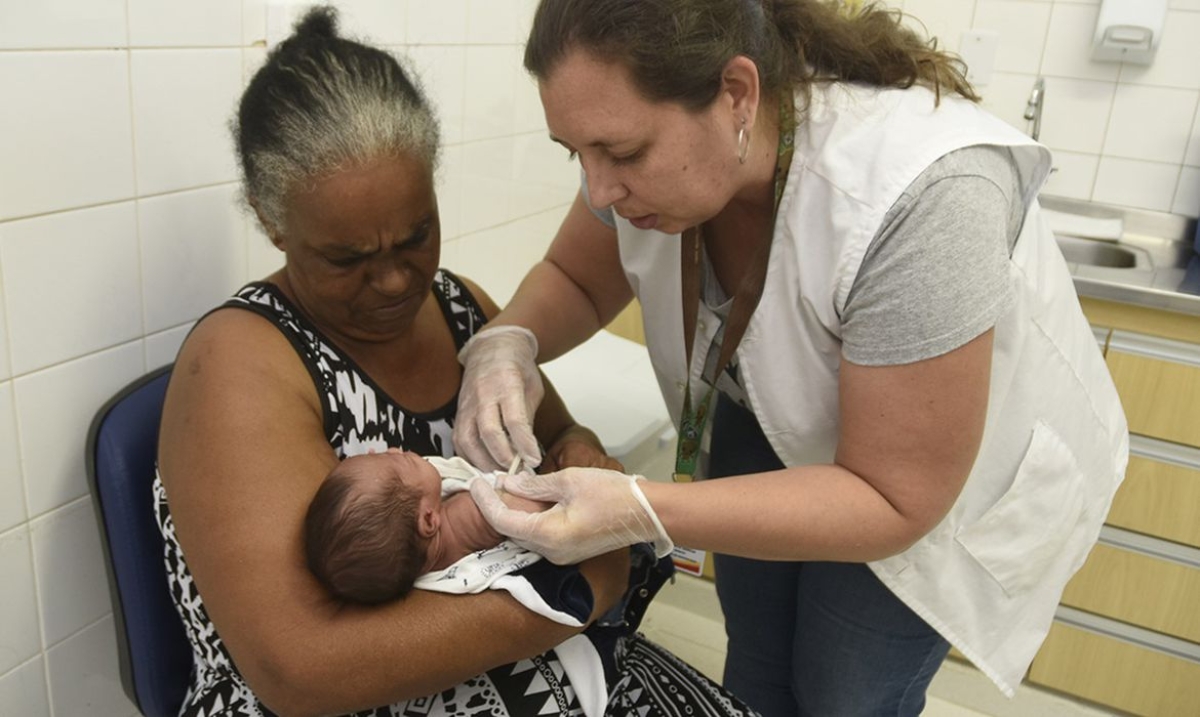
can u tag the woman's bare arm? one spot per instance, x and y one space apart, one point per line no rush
576 290
908 437
242 451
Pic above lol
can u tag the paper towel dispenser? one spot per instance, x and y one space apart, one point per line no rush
1129 30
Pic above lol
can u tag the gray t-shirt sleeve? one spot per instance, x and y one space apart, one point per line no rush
936 274
605 215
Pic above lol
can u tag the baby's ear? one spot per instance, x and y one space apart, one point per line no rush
429 520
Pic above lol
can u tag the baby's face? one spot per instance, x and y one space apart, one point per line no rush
395 465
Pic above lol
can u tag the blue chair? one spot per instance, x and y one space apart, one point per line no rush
153 649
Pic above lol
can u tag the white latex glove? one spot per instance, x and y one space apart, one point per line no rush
500 393
597 511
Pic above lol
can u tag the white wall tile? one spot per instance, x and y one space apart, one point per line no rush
442 70
1133 183
1069 47
1177 58
1022 27
193 253
437 23
62 24
1193 5
56 267
499 258
1075 114
23 691
491 79
72 583
1074 175
163 347
84 674
54 409
263 258
450 182
1192 158
1150 123
212 23
70 144
12 491
254 22
252 59
1006 96
529 114
450 254
5 366
182 102
525 13
944 19
487 183
542 173
493 22
379 22
19 636
1187 195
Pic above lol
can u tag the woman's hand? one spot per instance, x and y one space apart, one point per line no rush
501 391
597 511
578 447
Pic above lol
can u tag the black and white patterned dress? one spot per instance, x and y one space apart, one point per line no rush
360 416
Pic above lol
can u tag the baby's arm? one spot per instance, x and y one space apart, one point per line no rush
517 502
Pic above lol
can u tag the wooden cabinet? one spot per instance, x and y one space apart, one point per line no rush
1119 673
1127 634
1159 498
1159 383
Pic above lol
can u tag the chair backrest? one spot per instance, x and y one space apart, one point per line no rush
153 649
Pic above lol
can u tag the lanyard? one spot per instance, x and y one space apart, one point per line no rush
745 300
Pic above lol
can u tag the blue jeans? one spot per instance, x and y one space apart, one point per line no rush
819 639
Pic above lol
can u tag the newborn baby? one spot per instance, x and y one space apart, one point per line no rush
380 520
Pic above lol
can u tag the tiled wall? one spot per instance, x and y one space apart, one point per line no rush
1121 133
119 226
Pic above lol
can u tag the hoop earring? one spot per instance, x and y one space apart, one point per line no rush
743 143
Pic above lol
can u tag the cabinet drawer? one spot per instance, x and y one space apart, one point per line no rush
1161 492
1116 673
1138 589
1141 319
1159 384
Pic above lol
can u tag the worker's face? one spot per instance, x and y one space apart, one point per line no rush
362 247
655 163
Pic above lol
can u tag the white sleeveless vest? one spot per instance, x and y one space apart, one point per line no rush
1055 445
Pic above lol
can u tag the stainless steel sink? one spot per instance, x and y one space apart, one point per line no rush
1150 241
1094 252
1152 263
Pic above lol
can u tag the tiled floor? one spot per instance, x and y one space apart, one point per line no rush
685 618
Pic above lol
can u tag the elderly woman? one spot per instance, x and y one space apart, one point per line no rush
349 348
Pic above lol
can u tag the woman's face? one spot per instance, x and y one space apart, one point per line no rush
362 247
655 163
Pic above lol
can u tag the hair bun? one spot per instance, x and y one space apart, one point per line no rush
320 21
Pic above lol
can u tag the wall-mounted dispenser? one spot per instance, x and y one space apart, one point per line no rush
1129 30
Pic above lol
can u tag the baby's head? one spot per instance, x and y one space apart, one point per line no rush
369 525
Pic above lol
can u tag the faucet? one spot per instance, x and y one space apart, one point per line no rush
1033 107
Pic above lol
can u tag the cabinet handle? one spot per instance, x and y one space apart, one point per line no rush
1155 347
1148 639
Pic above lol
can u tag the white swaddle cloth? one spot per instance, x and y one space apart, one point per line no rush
494 569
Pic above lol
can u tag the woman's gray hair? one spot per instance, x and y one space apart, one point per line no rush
322 103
